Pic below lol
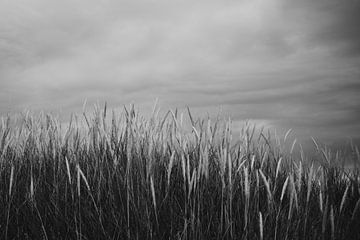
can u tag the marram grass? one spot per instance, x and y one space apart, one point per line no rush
167 177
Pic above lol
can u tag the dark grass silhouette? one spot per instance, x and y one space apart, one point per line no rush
127 177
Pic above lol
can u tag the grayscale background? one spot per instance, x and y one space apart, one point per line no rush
280 63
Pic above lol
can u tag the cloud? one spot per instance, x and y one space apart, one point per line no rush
285 63
327 24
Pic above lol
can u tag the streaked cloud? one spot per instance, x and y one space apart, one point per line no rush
286 63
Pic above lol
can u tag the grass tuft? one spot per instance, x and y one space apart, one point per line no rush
122 176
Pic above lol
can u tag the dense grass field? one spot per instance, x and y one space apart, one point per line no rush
122 176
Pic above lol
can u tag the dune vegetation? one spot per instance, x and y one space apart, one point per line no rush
123 176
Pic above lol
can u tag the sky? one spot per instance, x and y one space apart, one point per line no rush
281 63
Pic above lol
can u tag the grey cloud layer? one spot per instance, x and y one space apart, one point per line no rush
333 24
289 63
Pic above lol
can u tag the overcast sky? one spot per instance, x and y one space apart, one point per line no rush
283 63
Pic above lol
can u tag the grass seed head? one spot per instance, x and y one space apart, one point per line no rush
11 179
344 198
261 226
284 188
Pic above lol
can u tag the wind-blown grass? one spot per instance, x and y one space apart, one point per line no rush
127 177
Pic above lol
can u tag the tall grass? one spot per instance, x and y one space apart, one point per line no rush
167 177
